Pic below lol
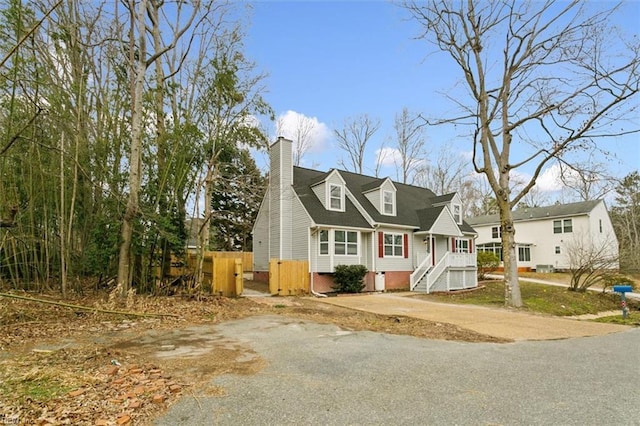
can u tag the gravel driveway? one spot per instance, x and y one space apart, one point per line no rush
319 374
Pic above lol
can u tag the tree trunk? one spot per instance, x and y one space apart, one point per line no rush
511 284
137 86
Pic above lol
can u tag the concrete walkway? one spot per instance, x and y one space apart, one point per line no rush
503 323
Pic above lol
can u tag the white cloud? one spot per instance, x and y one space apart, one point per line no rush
388 156
291 123
549 179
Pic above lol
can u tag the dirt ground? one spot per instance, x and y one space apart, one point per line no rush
61 365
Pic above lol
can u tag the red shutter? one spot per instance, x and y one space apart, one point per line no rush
380 244
453 245
470 245
406 246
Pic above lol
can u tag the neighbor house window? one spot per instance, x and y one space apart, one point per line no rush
345 243
600 223
560 226
457 213
388 204
557 226
393 245
495 232
335 197
495 248
557 249
524 254
324 242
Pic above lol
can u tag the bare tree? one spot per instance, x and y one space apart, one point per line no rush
549 77
625 216
588 180
445 173
410 142
301 134
140 59
353 138
591 261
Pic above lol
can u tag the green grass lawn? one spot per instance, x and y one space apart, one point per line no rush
541 298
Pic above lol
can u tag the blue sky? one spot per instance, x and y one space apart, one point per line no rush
330 60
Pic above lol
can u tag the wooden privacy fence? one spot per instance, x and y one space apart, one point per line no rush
288 277
222 275
245 256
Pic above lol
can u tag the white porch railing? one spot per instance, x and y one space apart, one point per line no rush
449 260
419 272
459 260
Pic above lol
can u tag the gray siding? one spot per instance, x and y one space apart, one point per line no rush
320 191
394 263
261 235
300 231
327 263
374 197
281 191
445 225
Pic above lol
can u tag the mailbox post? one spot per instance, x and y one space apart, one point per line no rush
622 289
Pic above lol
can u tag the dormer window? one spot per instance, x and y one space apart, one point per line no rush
457 213
388 203
336 197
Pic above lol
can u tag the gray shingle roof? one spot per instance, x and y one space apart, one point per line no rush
413 203
534 213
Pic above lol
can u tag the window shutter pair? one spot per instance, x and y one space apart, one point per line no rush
381 245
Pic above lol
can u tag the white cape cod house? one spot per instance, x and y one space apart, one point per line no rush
544 235
406 236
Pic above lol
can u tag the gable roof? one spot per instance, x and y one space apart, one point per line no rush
303 180
537 213
412 202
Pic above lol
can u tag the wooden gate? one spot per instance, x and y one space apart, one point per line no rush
288 277
227 277
222 275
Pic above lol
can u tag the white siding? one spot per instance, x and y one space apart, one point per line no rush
539 233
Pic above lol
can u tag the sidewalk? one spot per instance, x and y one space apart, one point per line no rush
503 323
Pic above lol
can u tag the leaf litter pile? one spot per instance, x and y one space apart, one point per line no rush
60 365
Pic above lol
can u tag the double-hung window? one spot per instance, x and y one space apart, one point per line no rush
457 213
393 245
335 197
560 226
388 203
324 242
495 232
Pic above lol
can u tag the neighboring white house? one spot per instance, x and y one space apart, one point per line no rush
545 235
404 234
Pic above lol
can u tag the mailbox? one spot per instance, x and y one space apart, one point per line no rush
622 289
